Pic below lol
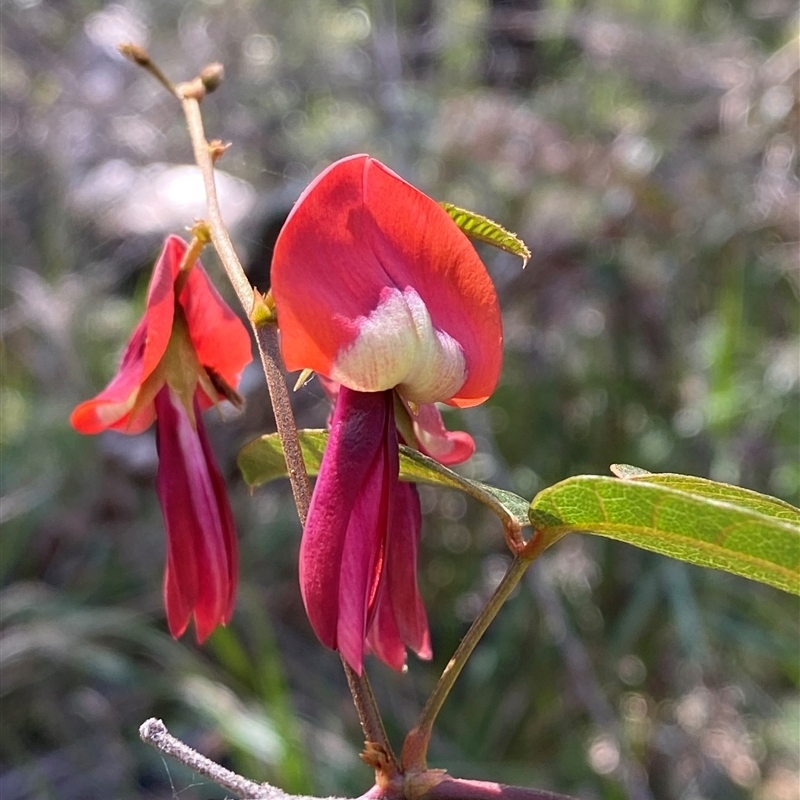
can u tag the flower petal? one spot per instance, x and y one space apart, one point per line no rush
398 347
364 558
400 619
409 610
433 438
219 337
356 241
112 407
201 542
384 638
341 541
160 307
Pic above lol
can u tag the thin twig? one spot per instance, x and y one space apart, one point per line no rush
371 722
155 733
415 748
141 57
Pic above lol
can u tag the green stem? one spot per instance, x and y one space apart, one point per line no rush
415 748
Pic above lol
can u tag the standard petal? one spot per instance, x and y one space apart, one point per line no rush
358 238
219 337
160 307
198 522
357 430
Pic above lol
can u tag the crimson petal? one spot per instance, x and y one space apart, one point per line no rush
360 234
343 540
409 609
400 619
112 407
433 438
200 577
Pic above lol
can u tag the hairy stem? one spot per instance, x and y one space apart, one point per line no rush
371 723
155 733
415 748
267 339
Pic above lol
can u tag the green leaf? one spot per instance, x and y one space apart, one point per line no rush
485 230
691 519
262 460
745 498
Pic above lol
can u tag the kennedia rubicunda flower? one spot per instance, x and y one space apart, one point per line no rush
185 355
378 291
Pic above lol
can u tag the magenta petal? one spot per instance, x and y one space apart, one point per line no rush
228 529
447 447
201 571
400 619
364 553
409 609
384 638
358 431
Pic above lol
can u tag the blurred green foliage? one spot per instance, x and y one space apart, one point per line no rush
647 152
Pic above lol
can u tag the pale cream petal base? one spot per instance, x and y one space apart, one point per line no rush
398 347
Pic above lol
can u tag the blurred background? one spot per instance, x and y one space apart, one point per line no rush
646 151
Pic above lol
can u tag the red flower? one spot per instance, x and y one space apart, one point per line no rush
378 290
185 355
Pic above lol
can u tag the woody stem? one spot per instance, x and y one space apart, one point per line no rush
266 335
415 748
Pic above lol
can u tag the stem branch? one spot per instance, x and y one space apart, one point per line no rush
155 733
415 748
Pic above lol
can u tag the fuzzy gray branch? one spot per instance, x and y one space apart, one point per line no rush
155 733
